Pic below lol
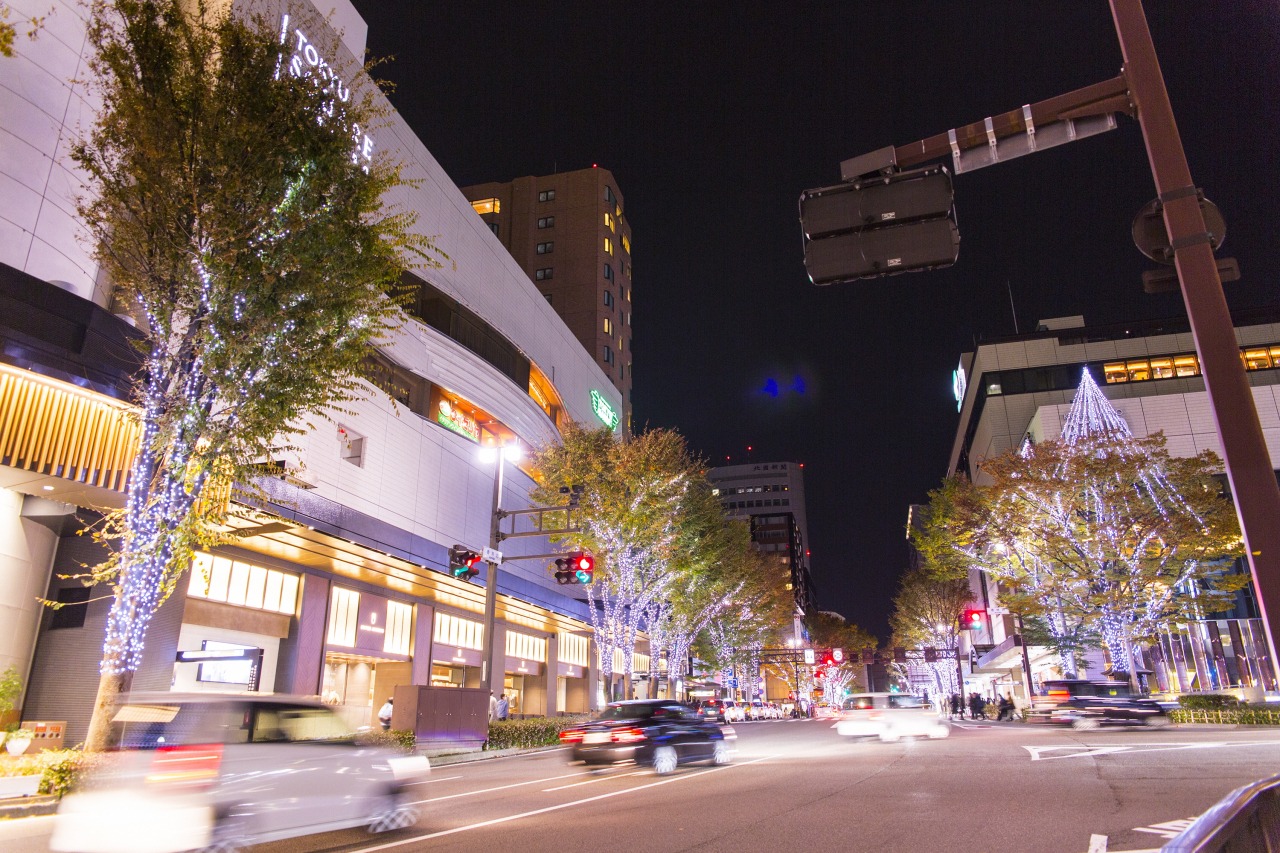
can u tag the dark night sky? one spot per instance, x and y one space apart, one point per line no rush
715 116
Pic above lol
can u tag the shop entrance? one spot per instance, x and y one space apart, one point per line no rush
357 685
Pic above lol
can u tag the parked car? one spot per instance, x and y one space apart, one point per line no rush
1089 704
195 771
656 732
712 710
734 711
890 717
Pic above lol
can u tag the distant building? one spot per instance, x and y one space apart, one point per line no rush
1014 389
569 233
771 494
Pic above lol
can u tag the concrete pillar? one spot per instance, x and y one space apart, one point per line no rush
550 681
26 564
423 632
301 663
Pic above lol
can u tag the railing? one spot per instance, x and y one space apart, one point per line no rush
1227 716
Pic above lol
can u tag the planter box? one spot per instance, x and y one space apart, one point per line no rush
19 786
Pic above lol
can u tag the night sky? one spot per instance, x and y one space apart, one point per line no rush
715 116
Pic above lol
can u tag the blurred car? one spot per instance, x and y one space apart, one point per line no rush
1089 704
757 711
890 717
772 711
712 710
734 711
657 732
197 771
825 711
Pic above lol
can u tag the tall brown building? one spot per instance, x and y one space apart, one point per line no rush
570 234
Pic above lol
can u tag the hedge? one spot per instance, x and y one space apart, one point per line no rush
1208 701
401 739
531 731
1239 715
60 769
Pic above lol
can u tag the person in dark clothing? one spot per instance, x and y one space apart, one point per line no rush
956 706
1005 707
977 710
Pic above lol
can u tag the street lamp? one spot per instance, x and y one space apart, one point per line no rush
507 452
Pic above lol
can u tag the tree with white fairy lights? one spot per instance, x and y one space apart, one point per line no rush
240 217
926 613
1098 528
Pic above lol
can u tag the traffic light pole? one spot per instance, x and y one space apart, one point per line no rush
489 672
1249 466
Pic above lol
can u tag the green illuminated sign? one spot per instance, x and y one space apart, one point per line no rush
603 410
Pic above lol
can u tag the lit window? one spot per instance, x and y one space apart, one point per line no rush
547 195
486 205
1139 371
1186 365
608 326
242 584
608 245
608 220
626 244
458 632
993 389
544 274
545 248
1115 372
1161 368
399 628
546 222
344 615
1256 359
526 647
608 272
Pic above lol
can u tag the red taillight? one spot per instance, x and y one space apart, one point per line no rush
628 735
185 765
571 736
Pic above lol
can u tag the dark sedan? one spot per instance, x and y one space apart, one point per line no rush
1088 704
658 732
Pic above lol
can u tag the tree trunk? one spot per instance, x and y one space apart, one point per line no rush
110 687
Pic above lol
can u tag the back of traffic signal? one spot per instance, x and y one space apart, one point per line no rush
577 567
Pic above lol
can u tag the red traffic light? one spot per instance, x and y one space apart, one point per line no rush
973 619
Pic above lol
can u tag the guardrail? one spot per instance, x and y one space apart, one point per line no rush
1227 716
1246 819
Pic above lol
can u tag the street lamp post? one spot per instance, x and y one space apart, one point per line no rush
489 676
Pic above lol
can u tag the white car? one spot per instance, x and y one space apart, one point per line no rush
199 771
890 717
734 711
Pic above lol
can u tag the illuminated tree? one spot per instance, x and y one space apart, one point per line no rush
1097 528
830 630
926 613
234 210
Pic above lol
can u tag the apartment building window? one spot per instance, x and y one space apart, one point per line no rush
546 222
546 248
608 245
493 226
608 272
608 194
486 205
549 300
608 220
547 195
608 354
351 446
626 244
608 298
544 274
608 326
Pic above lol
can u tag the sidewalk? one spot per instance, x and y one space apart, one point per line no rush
443 759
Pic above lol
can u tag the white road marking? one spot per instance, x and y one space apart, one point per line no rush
593 781
1038 752
1097 844
1168 829
389 845
500 788
436 779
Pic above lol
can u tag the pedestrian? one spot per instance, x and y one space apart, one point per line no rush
1005 707
493 706
503 707
976 711
955 706
384 714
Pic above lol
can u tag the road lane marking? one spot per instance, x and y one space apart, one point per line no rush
400 843
501 787
436 779
1168 829
593 781
1038 752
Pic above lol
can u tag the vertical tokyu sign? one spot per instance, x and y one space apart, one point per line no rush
306 61
603 410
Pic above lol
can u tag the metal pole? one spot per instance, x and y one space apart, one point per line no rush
1026 662
1244 448
488 672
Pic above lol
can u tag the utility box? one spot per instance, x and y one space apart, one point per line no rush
46 734
442 717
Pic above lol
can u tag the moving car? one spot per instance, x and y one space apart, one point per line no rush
712 710
196 771
657 732
1089 704
890 717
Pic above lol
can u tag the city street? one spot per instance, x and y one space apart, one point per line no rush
797 784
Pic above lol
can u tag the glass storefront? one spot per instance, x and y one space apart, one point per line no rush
367 654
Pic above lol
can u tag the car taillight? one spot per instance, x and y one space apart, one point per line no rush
628 735
194 764
571 736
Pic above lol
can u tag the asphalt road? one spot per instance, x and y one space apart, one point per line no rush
797 785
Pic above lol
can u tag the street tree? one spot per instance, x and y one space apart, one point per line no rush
236 219
926 614
1096 528
830 630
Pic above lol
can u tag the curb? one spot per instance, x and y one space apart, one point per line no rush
445 759
41 804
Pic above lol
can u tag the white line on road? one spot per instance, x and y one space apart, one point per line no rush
436 779
501 787
593 781
497 820
1038 752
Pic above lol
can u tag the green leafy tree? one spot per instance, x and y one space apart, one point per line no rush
230 211
9 30
1097 529
830 630
926 613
